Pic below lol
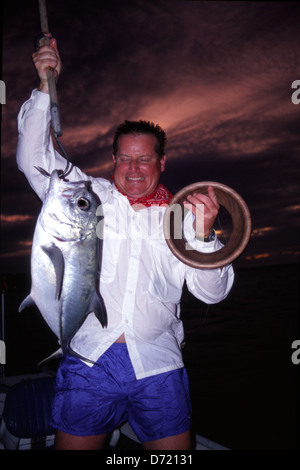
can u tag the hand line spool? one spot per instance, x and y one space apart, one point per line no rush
240 234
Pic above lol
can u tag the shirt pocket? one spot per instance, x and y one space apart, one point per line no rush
110 257
166 279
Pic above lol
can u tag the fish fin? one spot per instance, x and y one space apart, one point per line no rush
57 258
68 350
98 307
97 304
58 353
28 302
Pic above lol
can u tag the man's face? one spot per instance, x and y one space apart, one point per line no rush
137 165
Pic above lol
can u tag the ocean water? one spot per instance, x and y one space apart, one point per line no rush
244 387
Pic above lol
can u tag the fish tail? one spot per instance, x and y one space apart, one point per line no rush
69 351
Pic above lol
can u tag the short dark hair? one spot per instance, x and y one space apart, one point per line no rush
141 127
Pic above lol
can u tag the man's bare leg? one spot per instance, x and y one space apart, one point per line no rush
64 441
178 442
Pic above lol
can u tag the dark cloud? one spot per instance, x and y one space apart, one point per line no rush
216 75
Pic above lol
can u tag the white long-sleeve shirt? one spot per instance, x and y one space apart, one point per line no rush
141 280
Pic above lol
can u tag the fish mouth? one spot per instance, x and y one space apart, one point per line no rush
60 239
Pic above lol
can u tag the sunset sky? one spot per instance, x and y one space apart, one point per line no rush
217 76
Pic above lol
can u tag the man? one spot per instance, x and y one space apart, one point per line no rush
139 375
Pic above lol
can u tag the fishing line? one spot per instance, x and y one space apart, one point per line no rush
226 240
205 316
221 229
66 170
63 173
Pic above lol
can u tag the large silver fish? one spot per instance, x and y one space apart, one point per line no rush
66 259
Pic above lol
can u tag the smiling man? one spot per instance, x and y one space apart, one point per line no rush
138 373
137 164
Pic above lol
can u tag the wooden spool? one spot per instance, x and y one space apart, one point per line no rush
240 234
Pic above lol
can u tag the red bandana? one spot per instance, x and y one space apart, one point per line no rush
159 197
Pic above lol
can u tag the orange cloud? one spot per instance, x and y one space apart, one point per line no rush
100 169
25 250
262 231
262 255
9 219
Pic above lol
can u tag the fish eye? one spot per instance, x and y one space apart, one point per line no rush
83 204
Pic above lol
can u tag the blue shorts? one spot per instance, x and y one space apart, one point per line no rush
96 400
